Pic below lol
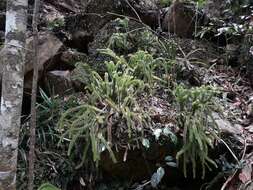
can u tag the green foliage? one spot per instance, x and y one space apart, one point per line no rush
111 104
196 106
165 3
122 24
201 3
146 41
48 186
52 162
152 59
232 29
232 22
119 41
143 65
126 40
56 24
112 101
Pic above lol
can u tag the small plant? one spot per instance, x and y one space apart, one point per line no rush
56 24
122 24
119 40
48 186
143 66
195 119
147 41
165 3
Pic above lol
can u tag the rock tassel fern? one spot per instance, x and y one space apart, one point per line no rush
196 106
111 102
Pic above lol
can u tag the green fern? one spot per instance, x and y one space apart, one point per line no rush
112 96
196 106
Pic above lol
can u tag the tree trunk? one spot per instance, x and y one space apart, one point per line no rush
34 95
12 90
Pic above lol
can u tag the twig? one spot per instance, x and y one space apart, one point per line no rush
135 12
233 154
34 95
245 149
228 180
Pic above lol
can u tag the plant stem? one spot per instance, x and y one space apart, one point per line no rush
34 95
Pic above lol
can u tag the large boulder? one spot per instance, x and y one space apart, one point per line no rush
82 28
181 19
49 48
73 20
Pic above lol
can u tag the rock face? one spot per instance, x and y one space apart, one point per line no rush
181 19
49 47
82 28
77 17
69 5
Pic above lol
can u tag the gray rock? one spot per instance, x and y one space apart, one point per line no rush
70 57
226 127
59 82
49 48
180 19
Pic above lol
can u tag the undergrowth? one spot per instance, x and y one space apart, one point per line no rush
196 106
112 103
110 108
52 162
